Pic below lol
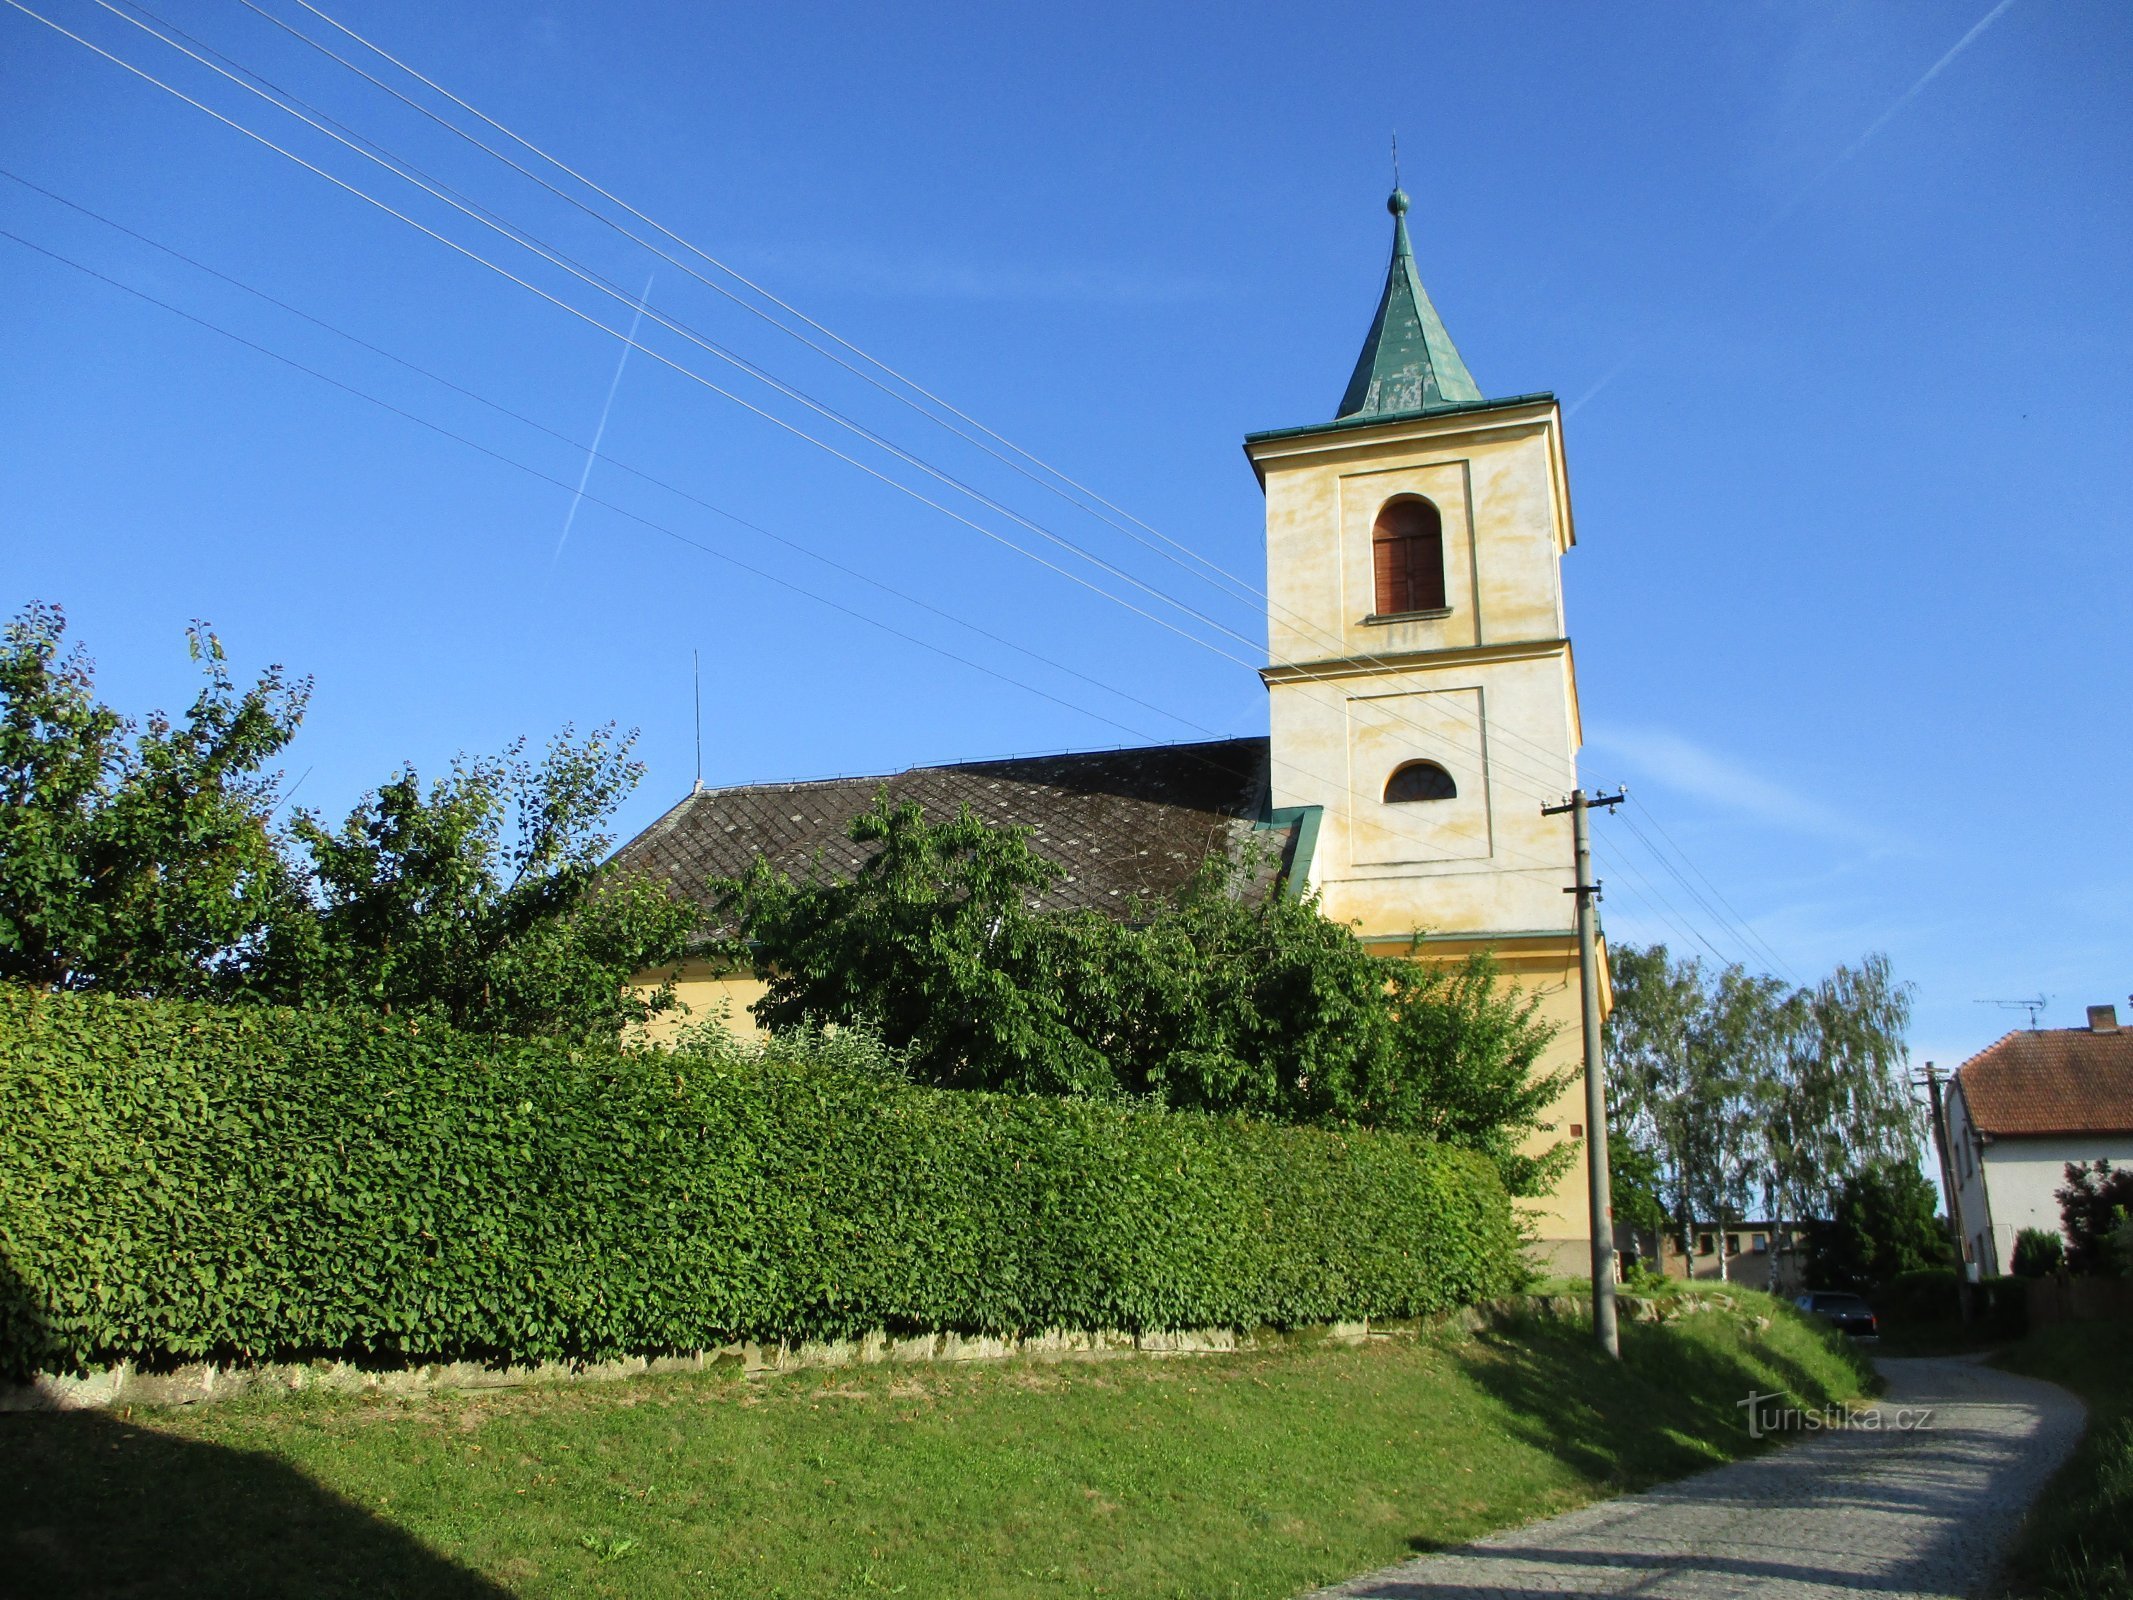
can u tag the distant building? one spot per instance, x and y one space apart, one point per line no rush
1422 704
2020 1111
1752 1254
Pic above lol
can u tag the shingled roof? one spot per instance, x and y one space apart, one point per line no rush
1122 823
2051 1081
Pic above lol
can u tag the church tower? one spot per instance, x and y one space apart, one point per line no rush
1422 699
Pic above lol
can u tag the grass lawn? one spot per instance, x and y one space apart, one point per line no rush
2079 1542
1246 1475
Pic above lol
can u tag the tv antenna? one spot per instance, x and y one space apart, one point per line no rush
2035 1007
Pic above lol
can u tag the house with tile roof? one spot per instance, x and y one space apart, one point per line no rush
1422 705
2019 1111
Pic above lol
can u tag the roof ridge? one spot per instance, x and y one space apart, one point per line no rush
766 784
1979 1055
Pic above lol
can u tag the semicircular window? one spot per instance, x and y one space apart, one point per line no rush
1420 780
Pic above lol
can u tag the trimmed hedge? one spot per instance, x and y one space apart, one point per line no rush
179 1181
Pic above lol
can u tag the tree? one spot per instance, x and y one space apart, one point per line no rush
1734 1090
1657 1126
2095 1204
2038 1253
1216 1000
1883 1224
139 859
480 899
1693 1061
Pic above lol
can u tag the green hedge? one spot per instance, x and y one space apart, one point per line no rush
182 1181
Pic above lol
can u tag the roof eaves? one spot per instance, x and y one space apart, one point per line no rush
1443 409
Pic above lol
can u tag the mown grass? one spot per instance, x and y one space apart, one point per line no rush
1248 1475
2078 1544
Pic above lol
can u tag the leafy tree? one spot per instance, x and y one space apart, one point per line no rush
2095 1204
1883 1224
1637 1193
134 858
1217 999
1693 1062
1733 1091
480 899
2038 1253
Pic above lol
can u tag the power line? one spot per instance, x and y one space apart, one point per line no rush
622 466
535 472
1234 580
1738 921
593 280
408 172
1505 768
592 321
650 523
1673 919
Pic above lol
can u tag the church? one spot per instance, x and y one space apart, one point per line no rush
1422 704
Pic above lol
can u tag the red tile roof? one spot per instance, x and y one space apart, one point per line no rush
2051 1081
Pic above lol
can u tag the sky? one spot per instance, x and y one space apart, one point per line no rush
1838 299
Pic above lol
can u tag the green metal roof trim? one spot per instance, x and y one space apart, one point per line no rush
1304 821
1365 421
1409 362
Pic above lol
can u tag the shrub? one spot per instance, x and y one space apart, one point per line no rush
2095 1204
1927 1295
1883 1230
181 1181
2038 1252
1223 998
2001 1306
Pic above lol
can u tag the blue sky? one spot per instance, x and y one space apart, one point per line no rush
1841 335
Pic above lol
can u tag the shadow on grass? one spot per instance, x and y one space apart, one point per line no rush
1671 1406
93 1505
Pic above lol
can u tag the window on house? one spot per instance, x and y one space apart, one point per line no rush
1704 1246
1419 780
1761 1244
1407 553
1732 1244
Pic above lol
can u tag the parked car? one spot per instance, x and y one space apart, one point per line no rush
1847 1311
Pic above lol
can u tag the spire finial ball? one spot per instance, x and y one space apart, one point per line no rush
1397 203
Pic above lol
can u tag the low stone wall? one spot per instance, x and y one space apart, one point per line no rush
196 1383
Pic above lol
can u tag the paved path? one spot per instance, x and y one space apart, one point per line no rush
1903 1513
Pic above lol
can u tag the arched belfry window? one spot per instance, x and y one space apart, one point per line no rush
1407 553
1420 780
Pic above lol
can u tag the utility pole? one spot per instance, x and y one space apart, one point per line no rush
1947 1185
1579 805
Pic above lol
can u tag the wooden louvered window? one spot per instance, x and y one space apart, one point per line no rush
1407 552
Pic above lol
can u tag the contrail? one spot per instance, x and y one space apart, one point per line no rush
1790 206
593 450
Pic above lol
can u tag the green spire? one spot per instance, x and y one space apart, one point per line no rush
1409 362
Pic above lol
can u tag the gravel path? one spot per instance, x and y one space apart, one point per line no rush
1901 1512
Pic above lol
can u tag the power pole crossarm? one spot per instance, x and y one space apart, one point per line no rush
1580 805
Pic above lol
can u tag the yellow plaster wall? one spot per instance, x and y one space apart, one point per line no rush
707 992
1487 689
1547 969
